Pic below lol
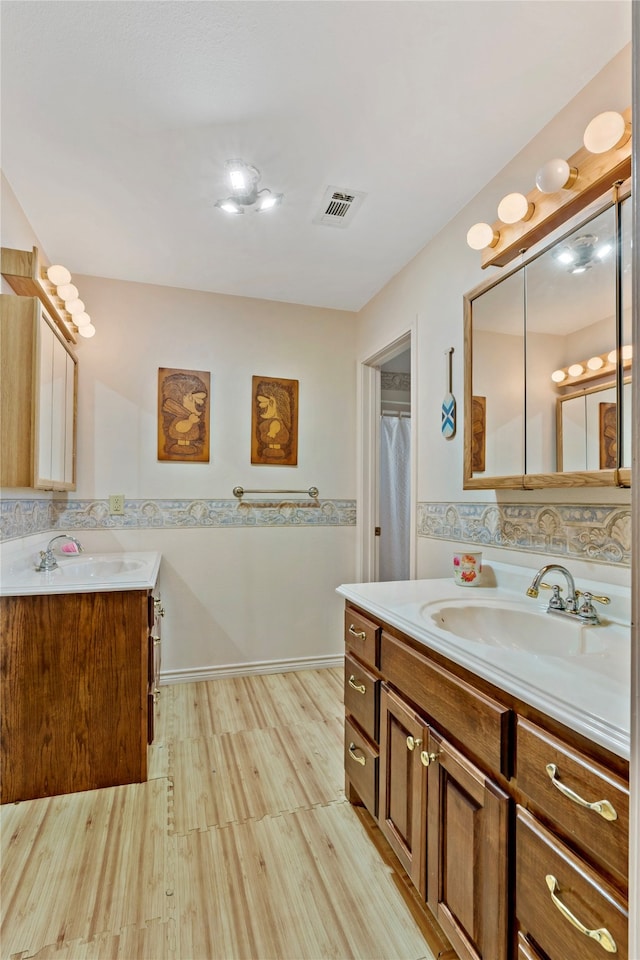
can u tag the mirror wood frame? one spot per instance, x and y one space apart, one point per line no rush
618 477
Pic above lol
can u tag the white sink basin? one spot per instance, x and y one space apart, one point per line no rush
100 568
512 626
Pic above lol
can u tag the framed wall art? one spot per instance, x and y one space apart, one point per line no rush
183 415
274 422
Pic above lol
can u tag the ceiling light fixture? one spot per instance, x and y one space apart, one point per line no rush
556 175
607 131
243 179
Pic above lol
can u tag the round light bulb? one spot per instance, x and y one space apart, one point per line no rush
613 356
58 274
67 291
627 352
81 319
595 363
87 331
555 175
607 131
482 235
514 207
74 306
558 376
575 370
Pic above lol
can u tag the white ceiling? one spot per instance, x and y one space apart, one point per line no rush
117 118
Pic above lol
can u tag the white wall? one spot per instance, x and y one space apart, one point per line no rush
431 289
237 595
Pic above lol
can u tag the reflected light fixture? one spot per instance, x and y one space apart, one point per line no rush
515 207
482 235
575 370
558 376
607 131
595 363
555 175
243 179
58 274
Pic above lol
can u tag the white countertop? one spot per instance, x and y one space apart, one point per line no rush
86 572
589 694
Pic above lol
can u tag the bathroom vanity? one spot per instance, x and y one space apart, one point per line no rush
498 775
79 674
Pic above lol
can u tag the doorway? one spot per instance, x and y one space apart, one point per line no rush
386 507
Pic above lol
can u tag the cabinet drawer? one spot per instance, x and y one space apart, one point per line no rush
526 950
546 767
480 724
578 889
361 695
362 637
361 766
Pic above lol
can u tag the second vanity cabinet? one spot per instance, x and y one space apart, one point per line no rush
483 799
77 682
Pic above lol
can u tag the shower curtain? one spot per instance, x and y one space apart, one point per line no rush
395 459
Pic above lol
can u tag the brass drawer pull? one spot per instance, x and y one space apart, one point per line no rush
603 807
358 757
360 634
602 936
156 641
412 743
158 605
360 687
428 758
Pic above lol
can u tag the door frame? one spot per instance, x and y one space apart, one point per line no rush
368 461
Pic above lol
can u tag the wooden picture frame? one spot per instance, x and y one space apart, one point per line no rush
183 415
608 435
478 433
274 422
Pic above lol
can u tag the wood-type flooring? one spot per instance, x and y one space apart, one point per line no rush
240 846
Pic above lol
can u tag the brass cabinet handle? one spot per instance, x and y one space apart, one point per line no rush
158 605
603 807
428 758
360 687
412 743
358 757
360 634
156 696
156 641
601 936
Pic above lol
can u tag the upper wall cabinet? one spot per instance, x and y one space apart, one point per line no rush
548 361
38 388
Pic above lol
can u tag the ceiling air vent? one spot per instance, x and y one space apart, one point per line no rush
338 207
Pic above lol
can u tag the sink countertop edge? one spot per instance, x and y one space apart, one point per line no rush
11 585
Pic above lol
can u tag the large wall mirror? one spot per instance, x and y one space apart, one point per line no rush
548 361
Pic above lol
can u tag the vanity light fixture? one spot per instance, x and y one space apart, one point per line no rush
515 207
81 319
58 274
74 306
600 365
243 179
607 131
88 330
67 291
556 175
482 235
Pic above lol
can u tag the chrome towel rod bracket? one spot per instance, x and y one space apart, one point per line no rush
239 492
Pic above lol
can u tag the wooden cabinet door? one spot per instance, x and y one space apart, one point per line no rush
467 853
403 784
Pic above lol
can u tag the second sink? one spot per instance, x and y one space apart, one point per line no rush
513 627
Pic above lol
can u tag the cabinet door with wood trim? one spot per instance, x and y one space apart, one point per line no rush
467 853
403 784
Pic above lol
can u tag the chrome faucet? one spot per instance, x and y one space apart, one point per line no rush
47 559
585 612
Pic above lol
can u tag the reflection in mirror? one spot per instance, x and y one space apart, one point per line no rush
570 319
626 324
497 377
587 431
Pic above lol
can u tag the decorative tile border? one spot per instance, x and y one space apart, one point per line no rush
19 518
596 533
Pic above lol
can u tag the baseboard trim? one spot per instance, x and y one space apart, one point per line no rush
194 674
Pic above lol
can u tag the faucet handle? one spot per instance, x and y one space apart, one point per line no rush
588 597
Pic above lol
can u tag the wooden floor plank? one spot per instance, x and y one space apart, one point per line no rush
250 774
